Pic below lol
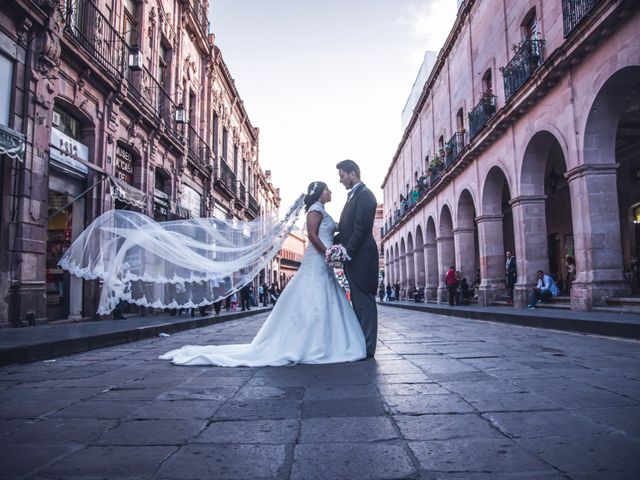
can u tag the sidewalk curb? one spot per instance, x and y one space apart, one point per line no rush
58 348
617 327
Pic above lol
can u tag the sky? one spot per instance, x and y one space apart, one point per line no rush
326 80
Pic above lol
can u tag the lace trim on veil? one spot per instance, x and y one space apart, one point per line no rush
180 264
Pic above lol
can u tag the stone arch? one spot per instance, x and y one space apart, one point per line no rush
411 271
431 259
495 233
446 249
605 238
396 264
542 213
466 236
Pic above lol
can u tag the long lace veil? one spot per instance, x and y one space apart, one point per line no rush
179 264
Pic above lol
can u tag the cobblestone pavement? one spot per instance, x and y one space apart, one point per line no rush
444 398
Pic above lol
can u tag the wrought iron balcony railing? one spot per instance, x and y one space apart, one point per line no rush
453 147
574 11
253 205
196 9
241 193
226 177
94 33
526 60
481 113
198 151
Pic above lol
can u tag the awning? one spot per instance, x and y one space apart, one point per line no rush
126 193
12 143
180 211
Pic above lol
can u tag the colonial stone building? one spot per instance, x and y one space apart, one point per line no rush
110 104
526 137
290 256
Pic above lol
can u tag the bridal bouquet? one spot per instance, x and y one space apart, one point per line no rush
336 255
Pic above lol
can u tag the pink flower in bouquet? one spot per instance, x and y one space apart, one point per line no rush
336 255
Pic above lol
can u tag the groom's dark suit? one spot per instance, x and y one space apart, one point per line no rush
355 232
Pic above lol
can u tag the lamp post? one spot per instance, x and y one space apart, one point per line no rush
180 114
135 59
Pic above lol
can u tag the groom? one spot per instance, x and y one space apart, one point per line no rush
355 232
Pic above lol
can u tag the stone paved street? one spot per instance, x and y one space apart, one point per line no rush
445 398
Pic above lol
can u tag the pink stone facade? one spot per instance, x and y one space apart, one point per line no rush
525 138
120 104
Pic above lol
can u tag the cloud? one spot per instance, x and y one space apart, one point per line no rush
429 24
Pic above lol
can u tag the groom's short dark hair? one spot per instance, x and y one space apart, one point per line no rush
349 166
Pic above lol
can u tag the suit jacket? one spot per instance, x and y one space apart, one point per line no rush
510 267
355 232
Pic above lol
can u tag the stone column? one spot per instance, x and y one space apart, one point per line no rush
465 250
431 271
446 258
492 281
402 263
596 236
530 226
411 278
418 267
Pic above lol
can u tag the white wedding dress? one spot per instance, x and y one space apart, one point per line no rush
312 321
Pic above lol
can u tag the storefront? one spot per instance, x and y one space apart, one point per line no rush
125 195
65 213
161 203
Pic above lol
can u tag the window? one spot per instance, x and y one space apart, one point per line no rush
235 159
530 25
487 83
129 22
163 65
214 141
225 142
66 123
6 82
192 108
460 120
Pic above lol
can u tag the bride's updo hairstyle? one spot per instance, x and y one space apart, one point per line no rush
314 190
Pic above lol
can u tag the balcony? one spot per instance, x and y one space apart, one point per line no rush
198 152
241 195
526 61
197 21
574 11
481 113
225 179
453 148
93 32
252 206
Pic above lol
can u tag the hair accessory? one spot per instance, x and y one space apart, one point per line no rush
313 190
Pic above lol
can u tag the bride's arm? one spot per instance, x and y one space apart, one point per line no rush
313 225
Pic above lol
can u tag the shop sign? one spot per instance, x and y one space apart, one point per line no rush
191 200
64 149
124 165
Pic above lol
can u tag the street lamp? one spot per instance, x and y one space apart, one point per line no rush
135 59
180 114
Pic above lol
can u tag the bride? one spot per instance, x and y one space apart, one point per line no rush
312 322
